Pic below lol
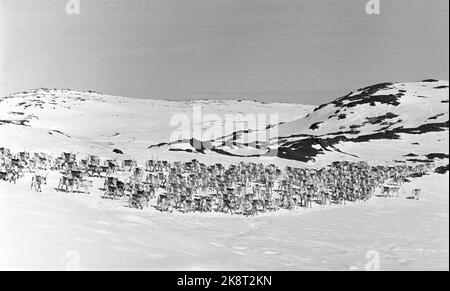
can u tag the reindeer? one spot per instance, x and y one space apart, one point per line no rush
112 167
130 164
5 176
204 204
110 187
111 192
192 186
165 202
416 193
66 183
248 208
85 185
150 166
139 199
37 181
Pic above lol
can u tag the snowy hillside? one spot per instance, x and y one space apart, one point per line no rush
413 117
53 121
59 229
71 231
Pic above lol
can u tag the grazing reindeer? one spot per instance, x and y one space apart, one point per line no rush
309 198
4 176
386 191
150 166
192 186
84 185
114 188
165 203
66 183
326 198
111 192
205 204
37 181
139 200
247 207
112 167
13 175
130 164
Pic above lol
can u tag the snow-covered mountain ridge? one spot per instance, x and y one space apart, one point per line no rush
383 122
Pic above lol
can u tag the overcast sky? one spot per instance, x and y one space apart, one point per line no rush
304 51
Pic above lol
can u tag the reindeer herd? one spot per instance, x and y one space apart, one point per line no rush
245 188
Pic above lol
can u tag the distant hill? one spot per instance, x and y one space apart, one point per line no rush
379 123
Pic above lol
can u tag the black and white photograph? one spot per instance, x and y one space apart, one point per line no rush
243 136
